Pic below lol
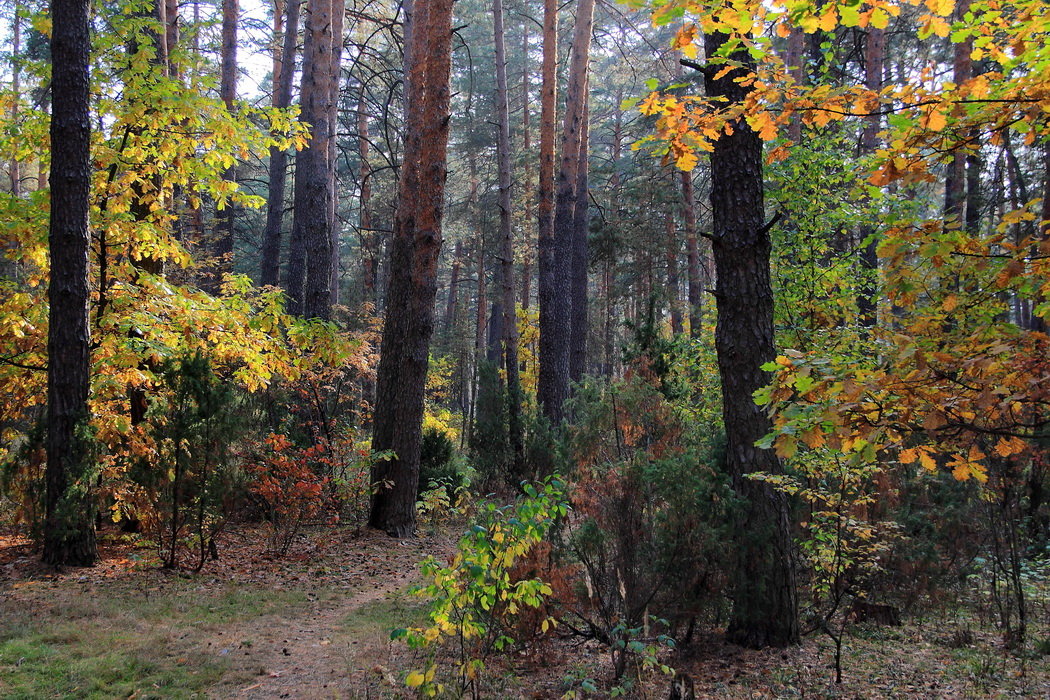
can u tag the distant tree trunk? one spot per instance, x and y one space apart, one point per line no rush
795 59
955 175
369 239
453 290
310 254
696 292
580 255
228 93
69 535
526 147
867 299
413 271
555 296
506 178
284 72
671 251
765 610
338 15
16 93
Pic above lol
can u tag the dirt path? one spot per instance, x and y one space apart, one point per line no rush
312 624
334 649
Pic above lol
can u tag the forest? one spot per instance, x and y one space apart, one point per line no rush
524 348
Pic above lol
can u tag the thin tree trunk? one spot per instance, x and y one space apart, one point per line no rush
671 252
338 15
453 290
284 72
696 292
506 178
69 535
16 93
867 299
580 257
226 218
413 272
765 609
526 147
546 255
369 239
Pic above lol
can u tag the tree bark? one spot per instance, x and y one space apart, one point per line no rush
580 257
69 535
765 609
284 72
226 219
415 248
867 299
338 16
696 292
506 178
671 251
555 296
310 255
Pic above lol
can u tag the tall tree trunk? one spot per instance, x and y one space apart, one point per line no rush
310 254
555 296
546 249
765 609
580 257
16 93
453 290
506 178
526 147
692 242
413 271
955 174
338 15
228 93
284 72
867 299
671 252
369 239
69 534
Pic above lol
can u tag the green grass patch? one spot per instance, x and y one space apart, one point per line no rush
119 643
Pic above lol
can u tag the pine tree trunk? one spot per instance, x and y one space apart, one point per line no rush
555 294
671 251
506 179
310 255
226 218
334 227
69 535
765 610
284 72
867 299
580 257
696 292
413 271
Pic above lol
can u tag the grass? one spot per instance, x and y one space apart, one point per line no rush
83 644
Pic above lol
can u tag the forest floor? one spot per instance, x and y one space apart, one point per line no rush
316 624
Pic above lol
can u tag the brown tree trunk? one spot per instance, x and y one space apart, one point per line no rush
16 94
283 72
692 242
671 251
310 254
228 93
580 257
69 534
546 249
955 175
506 178
867 299
453 290
765 609
555 295
369 239
413 271
338 15
526 147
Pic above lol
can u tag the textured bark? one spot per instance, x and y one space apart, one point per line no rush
526 147
671 253
580 257
867 299
555 295
506 179
334 227
228 93
955 174
415 248
765 609
310 254
69 535
284 71
546 253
